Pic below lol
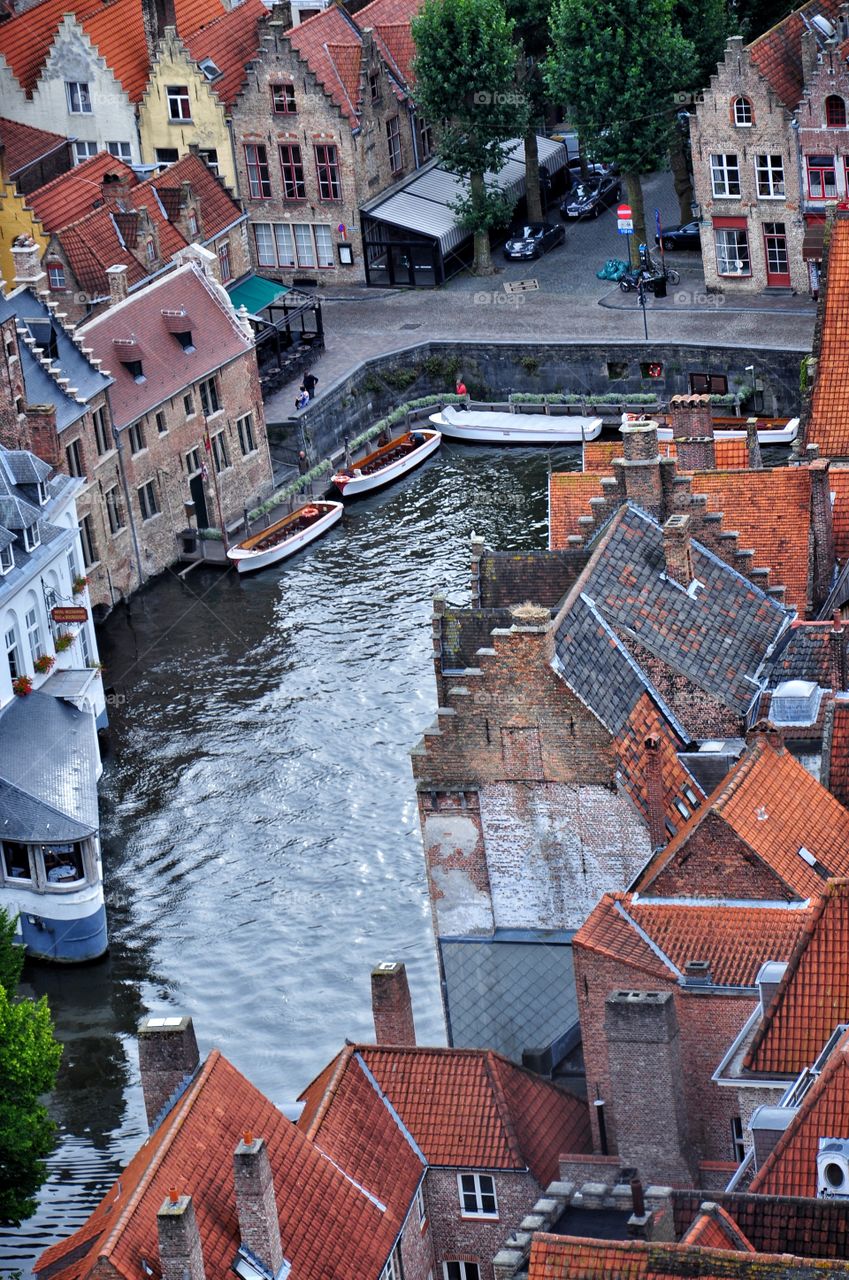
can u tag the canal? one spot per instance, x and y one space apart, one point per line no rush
261 845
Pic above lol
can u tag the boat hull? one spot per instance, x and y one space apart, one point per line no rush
249 560
492 427
357 485
770 434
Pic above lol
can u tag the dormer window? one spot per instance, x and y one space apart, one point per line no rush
7 559
32 537
835 112
150 251
43 493
55 275
179 325
209 69
744 116
129 353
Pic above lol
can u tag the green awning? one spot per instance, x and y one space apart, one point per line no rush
255 293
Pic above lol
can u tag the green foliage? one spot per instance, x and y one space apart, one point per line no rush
530 364
29 1061
619 66
706 24
754 17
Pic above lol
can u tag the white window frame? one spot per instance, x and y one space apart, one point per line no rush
475 1189
179 103
747 110
734 275
725 172
14 653
769 176
84 150
7 560
35 640
420 1206
78 94
468 1270
121 150
32 537
393 1269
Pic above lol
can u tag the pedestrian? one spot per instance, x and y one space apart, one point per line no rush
302 399
461 391
303 468
310 381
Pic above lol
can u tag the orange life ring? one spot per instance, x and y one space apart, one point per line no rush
310 512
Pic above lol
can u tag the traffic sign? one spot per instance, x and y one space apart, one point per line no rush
626 227
624 211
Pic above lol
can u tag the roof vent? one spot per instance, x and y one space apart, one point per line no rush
833 1168
795 702
769 978
697 973
767 1125
823 26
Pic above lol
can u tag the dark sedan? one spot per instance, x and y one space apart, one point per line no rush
533 239
684 237
590 197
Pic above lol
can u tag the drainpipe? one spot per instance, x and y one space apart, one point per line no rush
116 435
411 111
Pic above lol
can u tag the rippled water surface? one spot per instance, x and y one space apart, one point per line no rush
261 845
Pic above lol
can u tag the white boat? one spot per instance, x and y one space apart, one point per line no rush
388 463
489 426
770 430
286 536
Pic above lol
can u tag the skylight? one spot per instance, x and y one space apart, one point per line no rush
209 69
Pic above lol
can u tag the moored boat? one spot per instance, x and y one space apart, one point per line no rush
388 463
491 426
770 430
286 536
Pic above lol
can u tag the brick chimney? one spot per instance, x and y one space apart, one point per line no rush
654 792
647 1085
391 1004
168 1057
809 50
753 445
118 287
639 472
677 550
156 16
837 653
115 186
256 1204
692 430
26 257
764 730
823 530
42 433
180 1251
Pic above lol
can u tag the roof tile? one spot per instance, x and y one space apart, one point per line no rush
829 421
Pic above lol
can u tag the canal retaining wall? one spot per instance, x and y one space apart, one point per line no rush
491 370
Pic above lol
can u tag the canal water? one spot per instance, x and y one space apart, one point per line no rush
261 846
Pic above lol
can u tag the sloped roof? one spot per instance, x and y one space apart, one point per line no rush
48 751
813 996
816 1228
791 1167
679 786
330 44
463 1108
735 940
77 192
596 665
166 366
838 478
829 421
41 386
773 805
778 52
569 494
729 455
328 1226
232 40
803 653
836 745
714 1228
115 28
23 144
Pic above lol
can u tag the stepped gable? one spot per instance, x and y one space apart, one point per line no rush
660 938
778 53
717 636
817 1228
115 28
330 44
571 1258
328 1225
714 1228
464 1108
769 830
76 193
790 1169
813 996
828 422
680 792
23 145
231 41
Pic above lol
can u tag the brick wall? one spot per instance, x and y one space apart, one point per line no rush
722 865
417 1242
475 1240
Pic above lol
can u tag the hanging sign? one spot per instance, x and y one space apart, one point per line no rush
69 613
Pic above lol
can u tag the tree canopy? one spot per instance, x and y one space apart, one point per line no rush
29 1061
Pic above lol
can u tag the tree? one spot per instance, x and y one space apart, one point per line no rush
531 28
618 67
465 69
706 24
29 1061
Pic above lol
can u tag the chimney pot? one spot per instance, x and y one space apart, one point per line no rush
118 285
173 1195
691 420
391 1004
180 1250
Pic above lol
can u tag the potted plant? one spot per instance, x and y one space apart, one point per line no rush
64 641
22 686
44 663
79 584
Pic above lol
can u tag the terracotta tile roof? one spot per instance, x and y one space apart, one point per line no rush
91 245
679 786
774 806
729 455
816 1228
167 367
463 1108
791 1167
713 1228
829 422
328 1226
397 38
734 940
74 194
570 1258
231 41
778 53
324 41
115 28
569 494
839 482
813 996
23 145
836 746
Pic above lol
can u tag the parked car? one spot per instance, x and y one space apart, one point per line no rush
532 239
590 197
685 236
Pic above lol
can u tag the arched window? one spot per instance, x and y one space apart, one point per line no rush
835 112
12 645
743 113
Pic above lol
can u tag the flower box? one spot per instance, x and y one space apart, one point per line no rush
22 686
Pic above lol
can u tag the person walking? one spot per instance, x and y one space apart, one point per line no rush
310 381
303 468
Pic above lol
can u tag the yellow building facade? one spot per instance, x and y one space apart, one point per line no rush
180 108
16 220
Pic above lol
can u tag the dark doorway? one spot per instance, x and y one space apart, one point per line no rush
199 499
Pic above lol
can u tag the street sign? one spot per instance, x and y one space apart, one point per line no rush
520 286
625 227
69 613
624 211
657 225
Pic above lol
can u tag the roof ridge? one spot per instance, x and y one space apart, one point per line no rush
345 1055
372 1079
502 1106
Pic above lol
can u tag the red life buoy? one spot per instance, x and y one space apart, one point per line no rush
310 512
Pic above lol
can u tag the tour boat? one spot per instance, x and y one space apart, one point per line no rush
387 463
489 426
770 430
286 536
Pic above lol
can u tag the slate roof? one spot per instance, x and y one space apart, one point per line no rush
232 40
115 28
462 1108
328 1226
23 145
718 636
828 426
771 803
77 192
813 996
802 653
571 1258
167 368
48 769
791 1167
714 1228
659 938
778 53
816 1228
595 663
